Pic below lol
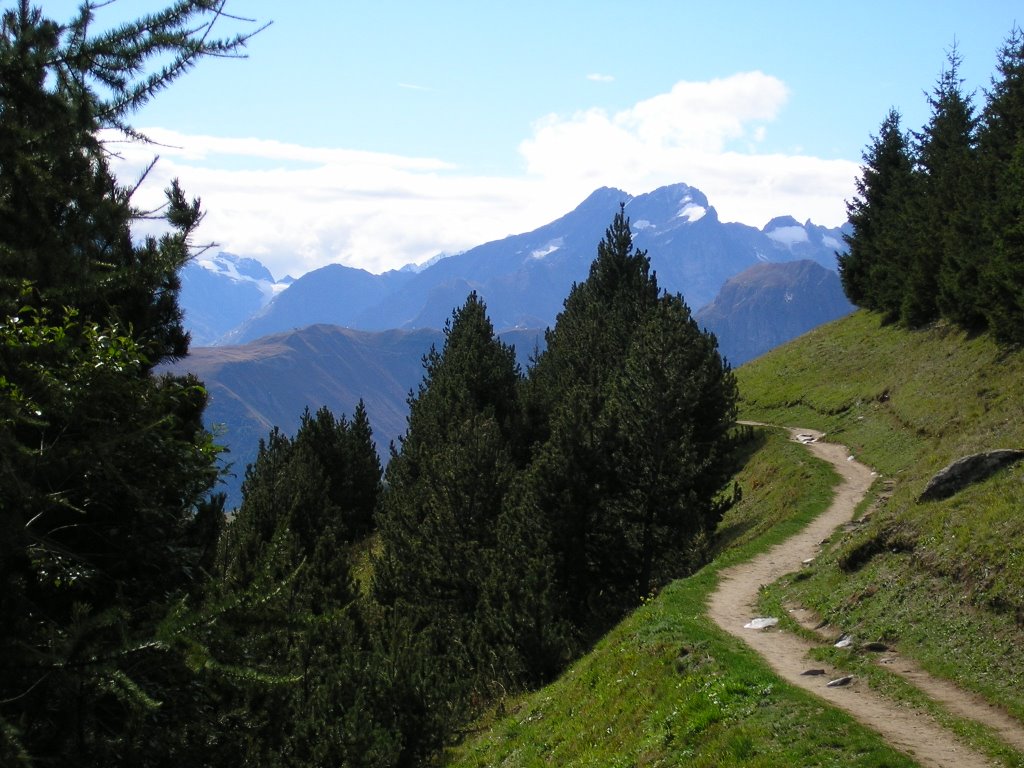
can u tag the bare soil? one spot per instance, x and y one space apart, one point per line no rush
909 730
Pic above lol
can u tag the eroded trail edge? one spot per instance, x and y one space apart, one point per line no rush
734 601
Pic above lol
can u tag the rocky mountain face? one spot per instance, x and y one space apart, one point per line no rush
221 292
525 278
769 304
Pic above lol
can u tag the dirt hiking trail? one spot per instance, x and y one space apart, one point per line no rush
916 733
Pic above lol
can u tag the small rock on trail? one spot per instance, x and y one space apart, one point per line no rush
839 682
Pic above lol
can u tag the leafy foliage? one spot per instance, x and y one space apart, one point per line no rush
103 470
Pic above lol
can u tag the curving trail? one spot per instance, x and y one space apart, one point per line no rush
733 604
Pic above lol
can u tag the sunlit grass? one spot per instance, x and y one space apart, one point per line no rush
942 580
666 687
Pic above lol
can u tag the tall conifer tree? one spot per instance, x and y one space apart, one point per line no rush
290 623
446 487
362 484
568 389
873 268
1000 148
944 221
671 411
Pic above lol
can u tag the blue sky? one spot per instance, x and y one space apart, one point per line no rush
376 134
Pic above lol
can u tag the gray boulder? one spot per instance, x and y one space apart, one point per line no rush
969 469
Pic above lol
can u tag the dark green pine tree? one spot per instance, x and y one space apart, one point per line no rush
104 465
347 455
361 485
671 413
256 644
289 642
102 472
567 391
1005 269
943 235
522 596
873 267
242 544
445 491
1000 142
65 222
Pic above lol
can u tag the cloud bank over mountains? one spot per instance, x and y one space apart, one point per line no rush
297 208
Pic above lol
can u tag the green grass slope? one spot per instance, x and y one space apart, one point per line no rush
943 581
666 687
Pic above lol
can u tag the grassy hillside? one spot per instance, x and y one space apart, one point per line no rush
667 688
943 581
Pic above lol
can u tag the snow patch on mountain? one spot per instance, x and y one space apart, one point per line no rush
548 249
417 268
831 242
691 211
789 236
236 267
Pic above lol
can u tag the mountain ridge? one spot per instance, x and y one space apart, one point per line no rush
769 304
524 278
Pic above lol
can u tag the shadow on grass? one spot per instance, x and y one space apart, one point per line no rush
751 440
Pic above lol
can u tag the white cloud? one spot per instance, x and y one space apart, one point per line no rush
297 208
304 207
597 77
705 134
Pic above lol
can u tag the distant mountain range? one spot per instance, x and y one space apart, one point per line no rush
523 278
269 381
267 349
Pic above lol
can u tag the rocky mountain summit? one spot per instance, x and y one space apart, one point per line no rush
524 278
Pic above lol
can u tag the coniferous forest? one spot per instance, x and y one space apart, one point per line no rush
938 218
342 615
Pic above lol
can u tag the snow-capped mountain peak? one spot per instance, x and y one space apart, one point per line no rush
218 292
236 267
